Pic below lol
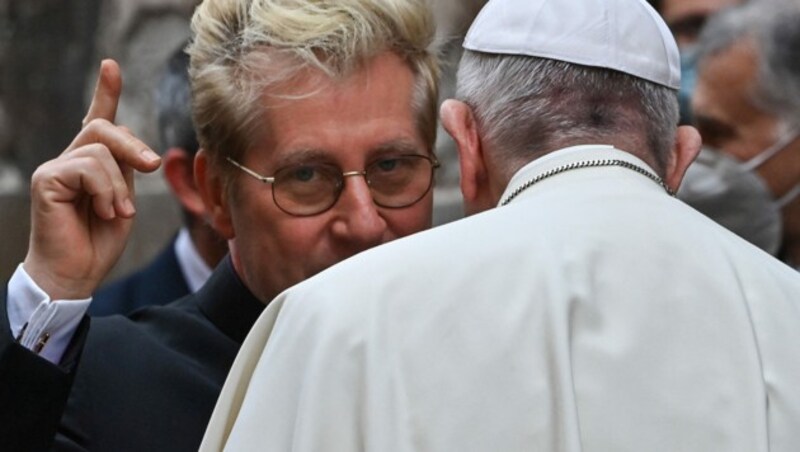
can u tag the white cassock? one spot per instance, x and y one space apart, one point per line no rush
592 313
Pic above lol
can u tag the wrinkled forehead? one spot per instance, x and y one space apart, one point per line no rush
365 111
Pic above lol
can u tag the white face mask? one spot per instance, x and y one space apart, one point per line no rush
734 195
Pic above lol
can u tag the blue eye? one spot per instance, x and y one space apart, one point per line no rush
303 173
387 164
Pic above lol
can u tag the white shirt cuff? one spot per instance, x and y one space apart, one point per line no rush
42 325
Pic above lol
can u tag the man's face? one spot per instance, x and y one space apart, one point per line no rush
347 123
686 17
729 118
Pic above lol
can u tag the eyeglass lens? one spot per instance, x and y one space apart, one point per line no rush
394 182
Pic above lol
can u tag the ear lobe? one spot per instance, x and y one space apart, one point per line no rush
459 121
687 146
178 167
210 185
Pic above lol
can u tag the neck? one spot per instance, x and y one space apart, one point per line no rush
791 232
211 247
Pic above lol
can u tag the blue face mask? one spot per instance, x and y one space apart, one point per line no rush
688 82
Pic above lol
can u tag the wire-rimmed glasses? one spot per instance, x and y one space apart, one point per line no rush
306 189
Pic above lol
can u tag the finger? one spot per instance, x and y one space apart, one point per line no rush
71 180
127 175
120 183
124 147
106 93
127 171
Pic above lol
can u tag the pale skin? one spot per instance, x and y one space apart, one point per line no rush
482 182
82 202
349 123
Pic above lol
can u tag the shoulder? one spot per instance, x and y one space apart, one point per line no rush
160 282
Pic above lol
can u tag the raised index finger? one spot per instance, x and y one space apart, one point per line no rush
106 93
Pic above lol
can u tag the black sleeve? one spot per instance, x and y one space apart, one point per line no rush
33 391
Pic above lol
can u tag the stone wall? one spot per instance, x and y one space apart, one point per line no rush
50 52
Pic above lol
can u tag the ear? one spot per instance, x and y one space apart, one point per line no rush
459 121
687 146
178 167
210 185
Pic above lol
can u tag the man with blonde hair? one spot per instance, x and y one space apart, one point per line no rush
581 308
316 121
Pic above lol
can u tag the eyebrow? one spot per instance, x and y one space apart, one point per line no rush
302 155
315 155
399 146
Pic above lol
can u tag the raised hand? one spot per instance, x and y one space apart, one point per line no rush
82 202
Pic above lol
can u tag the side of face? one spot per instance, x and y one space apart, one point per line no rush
348 123
730 119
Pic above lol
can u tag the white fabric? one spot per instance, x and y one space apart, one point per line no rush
28 303
194 269
593 313
624 35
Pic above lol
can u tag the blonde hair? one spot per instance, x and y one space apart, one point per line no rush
243 47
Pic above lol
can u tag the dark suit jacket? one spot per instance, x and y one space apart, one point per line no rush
158 283
147 382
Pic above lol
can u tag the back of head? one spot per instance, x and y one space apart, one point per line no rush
174 105
546 74
242 48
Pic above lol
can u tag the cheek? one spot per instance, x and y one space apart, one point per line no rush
411 220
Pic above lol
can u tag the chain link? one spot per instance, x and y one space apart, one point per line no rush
586 164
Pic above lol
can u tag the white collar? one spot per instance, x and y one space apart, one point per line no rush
194 268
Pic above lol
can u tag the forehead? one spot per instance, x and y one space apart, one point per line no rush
676 10
727 82
341 118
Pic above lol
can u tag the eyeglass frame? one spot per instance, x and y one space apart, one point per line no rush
432 160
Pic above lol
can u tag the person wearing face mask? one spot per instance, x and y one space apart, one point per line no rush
747 177
685 19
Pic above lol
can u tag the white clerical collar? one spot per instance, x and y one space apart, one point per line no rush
194 268
576 156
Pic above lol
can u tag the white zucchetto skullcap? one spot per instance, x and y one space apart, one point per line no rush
623 35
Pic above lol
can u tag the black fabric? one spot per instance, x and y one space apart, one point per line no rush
158 283
149 381
29 424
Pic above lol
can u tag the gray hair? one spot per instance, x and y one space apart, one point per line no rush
774 29
527 106
781 69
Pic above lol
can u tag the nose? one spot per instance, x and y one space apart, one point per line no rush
358 224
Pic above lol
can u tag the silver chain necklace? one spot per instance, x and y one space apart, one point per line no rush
586 164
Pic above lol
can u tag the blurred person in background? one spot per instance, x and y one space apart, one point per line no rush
746 108
185 263
685 19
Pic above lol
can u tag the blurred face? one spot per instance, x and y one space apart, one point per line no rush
350 124
686 17
730 120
